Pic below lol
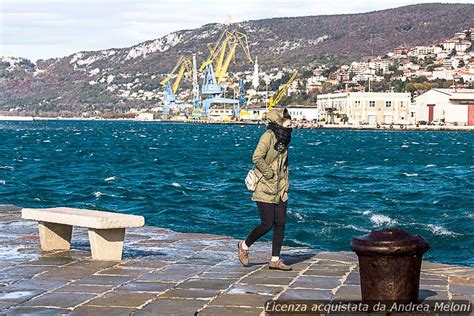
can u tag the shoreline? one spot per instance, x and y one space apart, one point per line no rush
298 125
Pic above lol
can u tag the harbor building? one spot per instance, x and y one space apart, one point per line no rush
365 108
450 106
303 112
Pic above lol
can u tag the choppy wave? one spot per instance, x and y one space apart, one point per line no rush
191 178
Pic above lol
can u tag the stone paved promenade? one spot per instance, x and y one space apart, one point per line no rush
170 273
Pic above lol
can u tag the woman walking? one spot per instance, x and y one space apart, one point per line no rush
271 193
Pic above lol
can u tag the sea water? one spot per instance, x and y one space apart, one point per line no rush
190 177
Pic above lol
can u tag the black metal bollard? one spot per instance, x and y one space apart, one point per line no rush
390 263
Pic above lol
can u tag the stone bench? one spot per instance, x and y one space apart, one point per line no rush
106 229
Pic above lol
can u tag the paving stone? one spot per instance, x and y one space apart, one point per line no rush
97 265
229 311
80 288
200 283
353 279
461 281
431 282
240 288
36 283
339 256
25 271
12 278
50 261
36 311
176 307
60 300
316 282
263 280
4 306
267 273
305 294
461 289
123 299
348 292
217 275
144 263
190 293
102 311
124 271
154 287
17 297
68 273
253 300
104 280
173 273
327 272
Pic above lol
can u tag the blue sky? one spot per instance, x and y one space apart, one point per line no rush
53 28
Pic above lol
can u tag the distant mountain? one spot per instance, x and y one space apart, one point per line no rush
117 79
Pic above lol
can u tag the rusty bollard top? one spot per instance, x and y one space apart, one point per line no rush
389 241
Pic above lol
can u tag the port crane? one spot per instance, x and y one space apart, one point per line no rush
215 70
172 81
277 97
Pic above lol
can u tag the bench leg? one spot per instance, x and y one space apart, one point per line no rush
107 244
54 236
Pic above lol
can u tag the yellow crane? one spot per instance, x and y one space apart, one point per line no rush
183 64
222 53
277 97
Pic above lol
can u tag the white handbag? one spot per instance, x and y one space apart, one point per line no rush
253 176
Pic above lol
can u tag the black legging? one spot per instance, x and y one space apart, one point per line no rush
270 215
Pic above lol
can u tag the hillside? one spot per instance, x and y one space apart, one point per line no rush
94 80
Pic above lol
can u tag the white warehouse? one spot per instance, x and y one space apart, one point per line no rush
449 106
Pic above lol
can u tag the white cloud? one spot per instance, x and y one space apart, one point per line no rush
52 28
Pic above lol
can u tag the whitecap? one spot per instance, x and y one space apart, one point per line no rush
405 146
300 217
411 174
372 167
176 185
366 212
98 194
441 231
315 144
46 141
360 229
237 145
2 182
379 220
110 179
341 162
6 167
414 143
433 144
430 165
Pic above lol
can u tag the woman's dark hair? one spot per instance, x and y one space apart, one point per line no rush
286 114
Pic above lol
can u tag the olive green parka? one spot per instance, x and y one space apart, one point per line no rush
273 185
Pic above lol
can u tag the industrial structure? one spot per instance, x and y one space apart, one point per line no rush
171 84
209 99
